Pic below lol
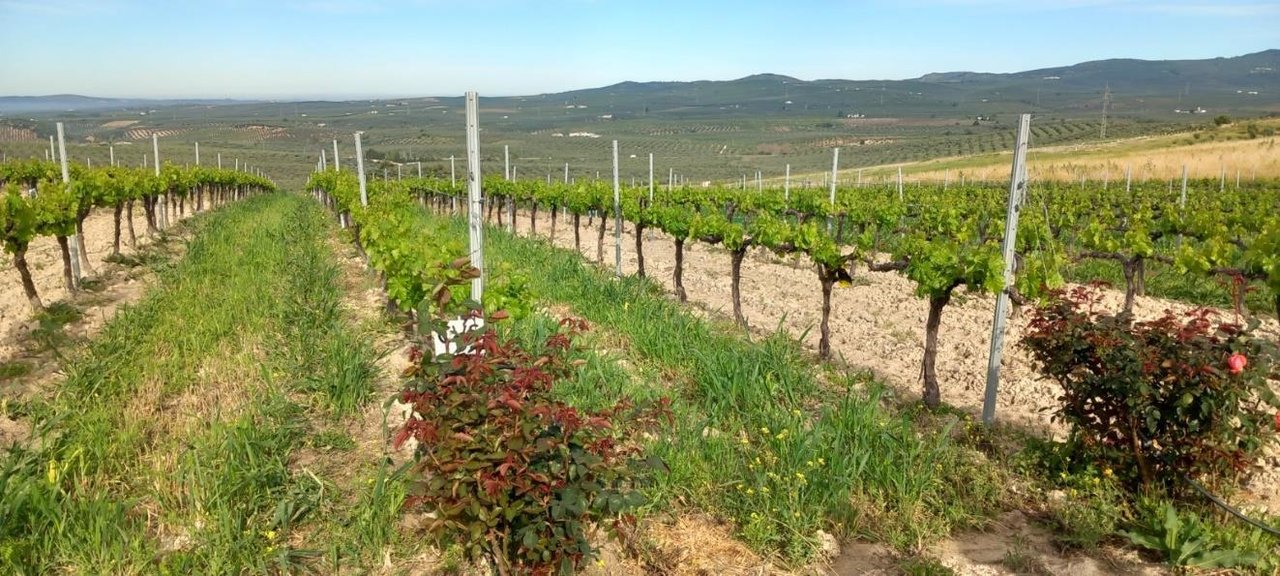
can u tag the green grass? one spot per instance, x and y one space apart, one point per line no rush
1163 281
14 369
761 437
169 446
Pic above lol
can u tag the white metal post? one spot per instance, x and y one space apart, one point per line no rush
900 184
364 191
453 180
566 172
197 153
73 245
1017 190
617 215
476 213
111 149
219 160
835 169
162 209
786 187
337 164
651 179
1183 202
419 168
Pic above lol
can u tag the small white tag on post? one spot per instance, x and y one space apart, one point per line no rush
448 343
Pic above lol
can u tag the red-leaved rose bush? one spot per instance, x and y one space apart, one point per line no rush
1181 394
515 476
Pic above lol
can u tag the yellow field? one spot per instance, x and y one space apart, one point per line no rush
1210 153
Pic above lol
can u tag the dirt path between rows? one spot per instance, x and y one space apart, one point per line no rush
877 323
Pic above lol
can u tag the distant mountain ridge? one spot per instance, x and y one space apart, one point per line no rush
1261 67
1247 84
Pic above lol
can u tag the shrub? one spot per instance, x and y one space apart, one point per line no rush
1157 399
512 475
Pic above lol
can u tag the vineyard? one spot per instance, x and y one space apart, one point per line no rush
941 243
942 240
37 204
791 371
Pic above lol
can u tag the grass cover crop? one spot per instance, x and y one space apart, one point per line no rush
755 437
168 446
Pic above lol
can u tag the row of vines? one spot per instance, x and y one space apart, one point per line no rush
35 202
942 239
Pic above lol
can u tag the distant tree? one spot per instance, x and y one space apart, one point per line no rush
1222 120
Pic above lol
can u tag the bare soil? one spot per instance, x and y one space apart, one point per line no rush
116 285
45 261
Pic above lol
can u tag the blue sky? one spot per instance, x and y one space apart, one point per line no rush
372 48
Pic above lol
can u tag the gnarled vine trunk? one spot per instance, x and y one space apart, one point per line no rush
577 233
1130 268
555 210
115 236
735 285
600 240
640 250
149 210
133 238
828 281
67 278
355 237
83 251
932 396
679 271
28 285
533 220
